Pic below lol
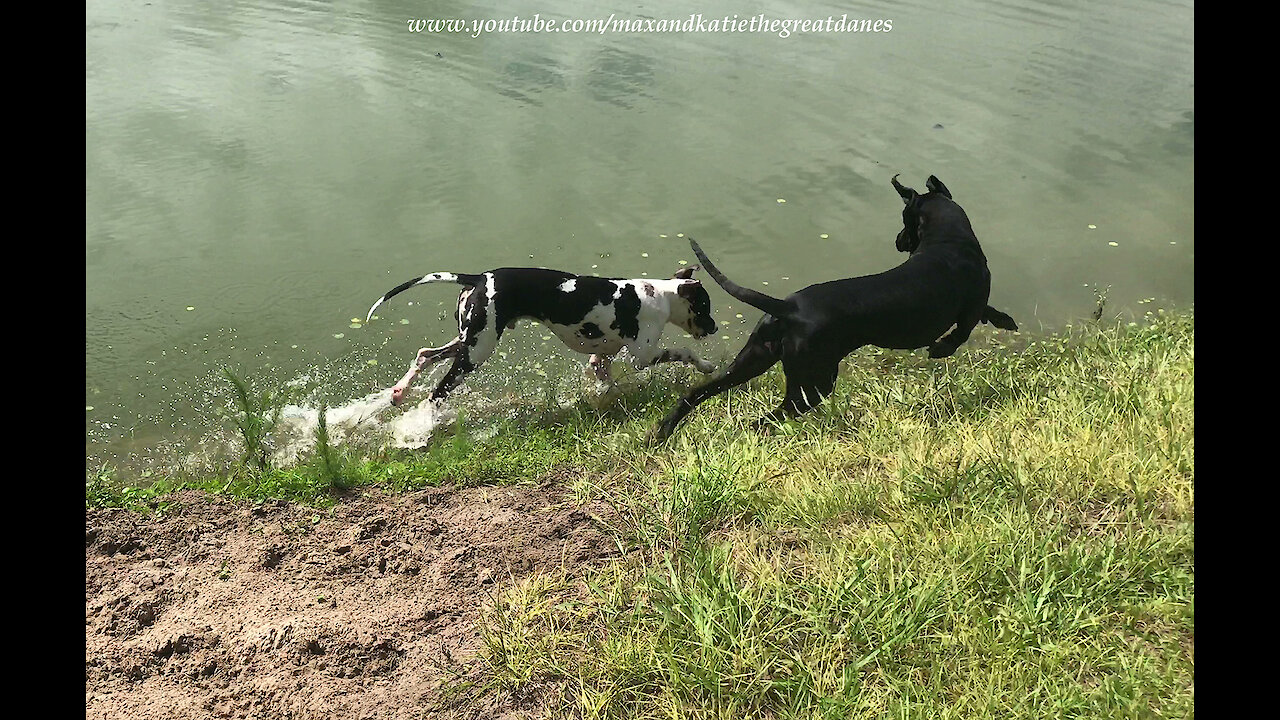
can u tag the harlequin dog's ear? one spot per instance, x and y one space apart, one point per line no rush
685 273
905 192
935 185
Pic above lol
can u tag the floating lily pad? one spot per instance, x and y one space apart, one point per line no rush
644 254
371 361
824 236
355 325
339 336
781 200
1113 243
1093 227
190 308
404 321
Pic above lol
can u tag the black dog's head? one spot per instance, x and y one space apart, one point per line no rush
697 321
914 217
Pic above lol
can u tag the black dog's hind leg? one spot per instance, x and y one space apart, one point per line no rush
807 387
754 358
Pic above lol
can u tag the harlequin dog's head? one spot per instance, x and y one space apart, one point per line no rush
919 208
695 316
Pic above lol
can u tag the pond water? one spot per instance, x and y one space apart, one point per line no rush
258 173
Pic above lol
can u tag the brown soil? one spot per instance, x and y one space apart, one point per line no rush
225 609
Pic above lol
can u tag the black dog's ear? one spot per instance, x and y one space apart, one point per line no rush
907 193
685 273
935 185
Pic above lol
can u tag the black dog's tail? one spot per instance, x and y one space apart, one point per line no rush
772 305
468 280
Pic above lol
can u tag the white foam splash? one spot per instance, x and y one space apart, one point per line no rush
295 432
372 421
294 435
414 427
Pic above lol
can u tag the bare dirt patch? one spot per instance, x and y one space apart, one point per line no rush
227 609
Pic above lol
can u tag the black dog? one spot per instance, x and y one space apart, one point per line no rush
944 283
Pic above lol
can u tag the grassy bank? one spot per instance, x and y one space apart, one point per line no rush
1006 533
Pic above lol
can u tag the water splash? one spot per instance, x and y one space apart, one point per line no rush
414 427
295 432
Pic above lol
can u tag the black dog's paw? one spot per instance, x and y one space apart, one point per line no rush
770 423
941 350
659 434
1005 322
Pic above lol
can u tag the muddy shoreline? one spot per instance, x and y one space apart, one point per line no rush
233 609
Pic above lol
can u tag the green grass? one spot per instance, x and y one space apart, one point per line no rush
1005 533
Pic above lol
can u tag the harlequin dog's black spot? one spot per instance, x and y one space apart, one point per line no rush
590 331
626 321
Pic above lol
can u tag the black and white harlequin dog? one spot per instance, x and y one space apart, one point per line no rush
594 316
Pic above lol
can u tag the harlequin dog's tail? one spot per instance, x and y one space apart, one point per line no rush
460 279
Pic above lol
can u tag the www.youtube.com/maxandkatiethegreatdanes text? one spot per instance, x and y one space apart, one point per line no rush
695 23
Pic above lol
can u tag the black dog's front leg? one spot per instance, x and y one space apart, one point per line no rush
995 317
947 344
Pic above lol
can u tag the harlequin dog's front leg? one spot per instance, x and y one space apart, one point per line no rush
599 366
687 356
